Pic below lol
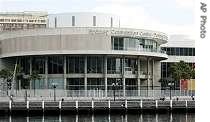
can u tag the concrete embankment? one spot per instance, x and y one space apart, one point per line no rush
97 106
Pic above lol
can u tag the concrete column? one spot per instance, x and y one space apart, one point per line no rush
153 73
123 78
64 72
105 74
85 77
138 76
148 84
46 72
30 71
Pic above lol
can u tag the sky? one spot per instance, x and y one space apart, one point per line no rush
168 16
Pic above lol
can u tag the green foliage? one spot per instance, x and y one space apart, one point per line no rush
181 70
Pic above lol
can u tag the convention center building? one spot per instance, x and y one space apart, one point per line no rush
85 52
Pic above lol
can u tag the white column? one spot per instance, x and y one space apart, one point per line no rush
138 76
105 74
85 78
46 73
64 72
123 76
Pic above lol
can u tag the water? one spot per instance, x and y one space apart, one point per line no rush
184 117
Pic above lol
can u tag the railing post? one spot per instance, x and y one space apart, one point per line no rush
42 105
109 104
126 104
156 104
27 105
141 104
10 105
60 105
171 104
92 104
76 102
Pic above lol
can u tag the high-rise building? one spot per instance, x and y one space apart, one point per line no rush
10 21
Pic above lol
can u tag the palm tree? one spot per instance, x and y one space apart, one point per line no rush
33 77
6 75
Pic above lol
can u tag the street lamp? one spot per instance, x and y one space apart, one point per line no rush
54 87
170 85
113 87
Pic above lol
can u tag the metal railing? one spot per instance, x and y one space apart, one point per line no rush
100 93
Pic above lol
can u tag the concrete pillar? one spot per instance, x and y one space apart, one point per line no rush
30 71
105 74
85 77
64 72
153 73
123 78
148 84
46 72
138 76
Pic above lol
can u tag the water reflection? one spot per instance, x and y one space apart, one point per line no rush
188 117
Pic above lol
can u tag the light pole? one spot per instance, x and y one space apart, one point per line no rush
114 87
170 85
54 87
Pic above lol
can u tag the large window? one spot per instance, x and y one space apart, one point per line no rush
73 20
38 64
179 51
75 64
25 64
75 84
130 66
95 64
128 43
117 43
95 84
55 81
114 65
55 64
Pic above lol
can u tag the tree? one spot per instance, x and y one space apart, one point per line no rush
6 75
181 70
33 77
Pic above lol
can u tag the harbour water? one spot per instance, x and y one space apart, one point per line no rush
166 117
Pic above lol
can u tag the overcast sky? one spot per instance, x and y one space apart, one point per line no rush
169 16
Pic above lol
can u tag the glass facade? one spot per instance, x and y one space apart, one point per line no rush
75 64
136 44
55 64
130 66
38 64
95 64
117 81
175 51
55 81
25 64
39 84
95 84
75 84
114 65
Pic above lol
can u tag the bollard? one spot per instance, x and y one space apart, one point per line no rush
42 105
171 104
27 104
156 104
186 104
60 104
109 104
141 104
92 104
126 104
10 105
76 102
